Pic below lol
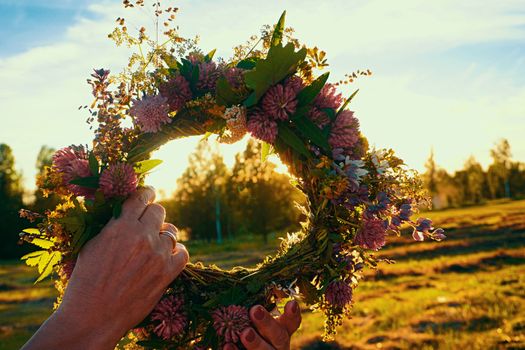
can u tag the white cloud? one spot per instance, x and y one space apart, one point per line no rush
406 105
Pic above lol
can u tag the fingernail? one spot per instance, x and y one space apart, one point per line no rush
295 307
250 336
259 313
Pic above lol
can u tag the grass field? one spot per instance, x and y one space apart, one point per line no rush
467 292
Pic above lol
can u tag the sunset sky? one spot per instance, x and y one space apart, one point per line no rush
448 74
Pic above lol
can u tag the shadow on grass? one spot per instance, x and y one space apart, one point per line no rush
475 243
482 323
485 264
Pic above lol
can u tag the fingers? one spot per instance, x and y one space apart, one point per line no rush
179 259
253 341
167 241
269 328
153 216
291 318
134 206
229 346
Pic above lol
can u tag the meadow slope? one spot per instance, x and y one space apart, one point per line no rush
467 292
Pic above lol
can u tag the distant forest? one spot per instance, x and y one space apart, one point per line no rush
504 178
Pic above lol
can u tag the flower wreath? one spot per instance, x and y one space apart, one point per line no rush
354 195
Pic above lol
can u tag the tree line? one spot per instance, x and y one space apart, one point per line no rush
214 203
504 178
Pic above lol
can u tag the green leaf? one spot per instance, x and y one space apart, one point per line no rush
308 290
43 242
330 112
347 102
309 93
80 238
248 63
226 96
277 36
93 164
265 151
33 258
146 165
46 264
278 64
194 79
255 285
291 139
185 68
312 132
75 225
32 231
117 209
210 55
251 100
90 181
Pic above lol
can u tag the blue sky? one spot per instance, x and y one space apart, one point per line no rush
448 74
26 23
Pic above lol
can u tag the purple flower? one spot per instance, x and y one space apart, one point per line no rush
405 211
235 77
78 169
177 91
170 314
424 225
424 228
328 98
295 83
395 222
262 127
418 235
382 203
63 157
338 293
118 180
345 131
208 76
439 234
150 113
371 234
230 321
318 117
279 102
71 162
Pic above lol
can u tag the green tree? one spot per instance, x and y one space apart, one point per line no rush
430 177
499 170
474 181
264 199
44 160
200 196
10 203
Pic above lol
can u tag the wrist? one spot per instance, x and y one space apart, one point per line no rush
98 334
93 333
64 330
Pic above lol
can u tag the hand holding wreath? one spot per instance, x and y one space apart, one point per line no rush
106 294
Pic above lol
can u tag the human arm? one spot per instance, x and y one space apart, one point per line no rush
119 277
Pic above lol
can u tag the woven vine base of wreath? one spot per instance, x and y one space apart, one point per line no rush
355 196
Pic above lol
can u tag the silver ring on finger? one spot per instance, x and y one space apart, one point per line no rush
172 236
